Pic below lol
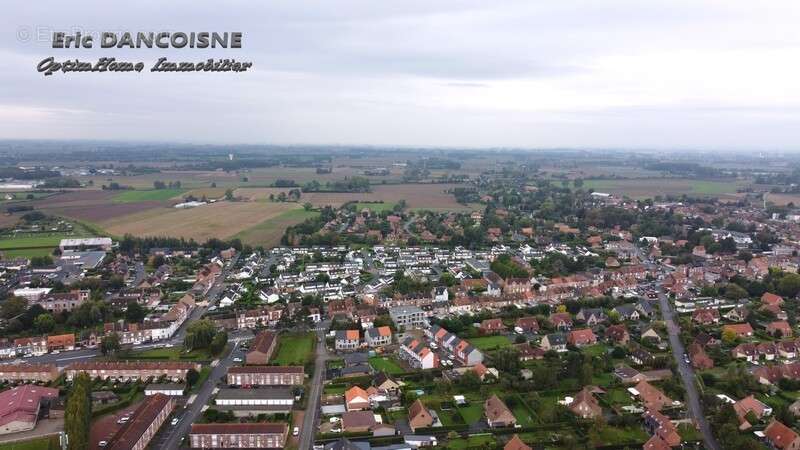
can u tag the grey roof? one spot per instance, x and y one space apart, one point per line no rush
164 387
352 359
556 339
346 444
279 393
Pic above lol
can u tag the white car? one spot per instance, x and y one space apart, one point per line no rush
237 359
102 443
55 352
175 421
334 419
296 431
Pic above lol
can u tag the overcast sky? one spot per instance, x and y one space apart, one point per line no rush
632 74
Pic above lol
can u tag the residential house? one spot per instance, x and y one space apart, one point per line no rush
779 329
262 348
266 375
527 324
749 405
356 399
561 321
781 437
347 340
491 326
581 338
418 354
627 312
705 316
584 405
238 435
554 341
589 316
740 330
497 413
144 423
700 360
617 334
419 416
378 337
652 397
515 443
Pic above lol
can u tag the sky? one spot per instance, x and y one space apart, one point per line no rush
638 74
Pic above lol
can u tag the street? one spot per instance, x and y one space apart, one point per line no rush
686 371
311 417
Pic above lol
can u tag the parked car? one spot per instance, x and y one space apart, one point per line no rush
296 431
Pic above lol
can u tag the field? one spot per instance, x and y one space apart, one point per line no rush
490 342
650 187
45 443
375 207
218 220
783 199
384 364
269 232
147 195
417 196
29 245
294 349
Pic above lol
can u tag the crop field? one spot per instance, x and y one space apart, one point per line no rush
218 220
147 195
92 206
417 196
783 199
294 350
269 232
375 207
650 187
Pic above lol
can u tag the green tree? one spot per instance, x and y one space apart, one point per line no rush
192 377
199 334
789 286
110 344
218 343
735 292
134 312
13 307
78 413
307 206
44 323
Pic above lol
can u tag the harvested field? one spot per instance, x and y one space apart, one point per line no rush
417 196
220 220
92 205
147 195
269 232
650 187
259 194
783 199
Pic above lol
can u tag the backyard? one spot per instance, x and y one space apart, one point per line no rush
386 364
490 342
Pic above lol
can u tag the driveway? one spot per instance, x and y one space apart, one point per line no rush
686 371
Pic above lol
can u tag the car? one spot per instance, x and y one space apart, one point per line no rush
296 431
55 352
175 421
336 430
237 359
686 358
334 419
102 443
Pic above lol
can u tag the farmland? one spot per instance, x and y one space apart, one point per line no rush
218 220
417 196
269 232
294 349
650 187
147 195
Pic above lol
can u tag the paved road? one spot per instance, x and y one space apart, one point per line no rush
686 372
170 436
311 418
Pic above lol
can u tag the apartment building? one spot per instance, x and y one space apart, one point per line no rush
262 349
28 372
63 301
266 376
131 370
238 435
407 316
144 423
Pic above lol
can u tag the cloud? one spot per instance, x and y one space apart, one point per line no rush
661 74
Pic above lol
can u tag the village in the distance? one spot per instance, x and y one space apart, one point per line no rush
396 299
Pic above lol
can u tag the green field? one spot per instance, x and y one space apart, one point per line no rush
650 187
269 232
45 443
147 195
485 441
29 245
490 342
375 207
385 364
294 350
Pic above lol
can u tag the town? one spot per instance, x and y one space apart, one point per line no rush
596 321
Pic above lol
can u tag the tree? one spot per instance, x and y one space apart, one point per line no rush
134 313
44 323
13 307
789 286
307 206
218 343
734 292
729 337
192 377
109 344
78 413
199 334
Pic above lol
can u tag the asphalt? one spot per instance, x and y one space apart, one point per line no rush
686 371
311 418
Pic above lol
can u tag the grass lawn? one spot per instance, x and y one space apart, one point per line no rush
618 396
334 389
27 252
620 436
490 342
30 240
523 416
294 349
603 380
45 443
170 354
450 418
147 195
386 364
471 413
689 433
594 350
485 440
